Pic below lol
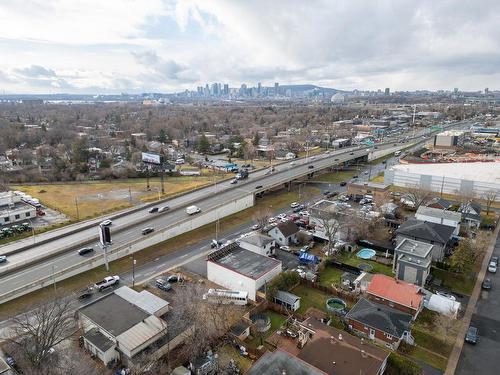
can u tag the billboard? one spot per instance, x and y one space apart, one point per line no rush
150 158
104 235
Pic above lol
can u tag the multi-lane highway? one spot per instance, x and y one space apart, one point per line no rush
128 228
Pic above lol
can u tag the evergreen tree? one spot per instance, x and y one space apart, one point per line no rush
162 137
203 145
256 139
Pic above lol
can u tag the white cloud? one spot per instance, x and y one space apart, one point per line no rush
154 45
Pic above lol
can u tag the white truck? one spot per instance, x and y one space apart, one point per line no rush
191 210
107 282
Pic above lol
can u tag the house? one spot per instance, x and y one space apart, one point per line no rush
321 349
400 295
412 261
437 235
471 213
289 300
258 243
322 215
140 325
440 203
380 322
285 233
439 216
239 269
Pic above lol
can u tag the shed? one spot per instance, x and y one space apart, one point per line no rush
289 300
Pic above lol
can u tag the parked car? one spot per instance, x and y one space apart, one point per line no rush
152 210
107 223
164 209
294 205
472 335
163 284
304 213
487 284
494 259
271 220
297 209
174 278
85 250
343 183
256 227
282 216
147 230
355 176
492 267
285 248
215 244
107 282
3 258
326 192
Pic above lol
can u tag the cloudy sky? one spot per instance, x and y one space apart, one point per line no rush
107 46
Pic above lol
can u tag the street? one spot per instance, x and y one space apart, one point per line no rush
482 357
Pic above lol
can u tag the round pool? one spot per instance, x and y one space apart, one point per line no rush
336 305
366 253
261 321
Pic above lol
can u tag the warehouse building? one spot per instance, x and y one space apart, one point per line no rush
239 269
13 209
474 179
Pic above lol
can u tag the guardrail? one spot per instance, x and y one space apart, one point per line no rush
120 251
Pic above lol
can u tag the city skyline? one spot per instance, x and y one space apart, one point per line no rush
171 46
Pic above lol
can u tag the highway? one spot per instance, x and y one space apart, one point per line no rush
128 228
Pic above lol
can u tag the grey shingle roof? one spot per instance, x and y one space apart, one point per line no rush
288 228
439 213
380 317
425 230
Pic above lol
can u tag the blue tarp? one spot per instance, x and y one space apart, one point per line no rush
308 258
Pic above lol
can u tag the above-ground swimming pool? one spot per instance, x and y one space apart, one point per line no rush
366 253
336 305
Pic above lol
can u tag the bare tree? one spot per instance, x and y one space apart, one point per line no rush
447 326
330 221
418 196
489 198
35 333
262 216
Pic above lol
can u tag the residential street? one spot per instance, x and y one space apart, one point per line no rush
483 357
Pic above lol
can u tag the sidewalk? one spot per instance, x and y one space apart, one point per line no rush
459 342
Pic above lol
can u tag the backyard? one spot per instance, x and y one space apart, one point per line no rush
457 283
330 276
310 297
353 260
277 321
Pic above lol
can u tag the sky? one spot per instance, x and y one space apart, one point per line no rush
134 46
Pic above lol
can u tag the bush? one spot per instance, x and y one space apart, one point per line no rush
400 365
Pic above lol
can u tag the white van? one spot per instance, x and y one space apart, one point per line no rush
191 210
179 161
397 153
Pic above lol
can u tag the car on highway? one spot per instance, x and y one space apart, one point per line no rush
451 297
285 248
3 258
234 181
292 163
355 176
294 205
336 159
164 209
85 250
487 284
107 223
256 227
311 167
365 172
191 210
258 187
352 153
215 244
472 335
492 267
152 210
343 183
147 230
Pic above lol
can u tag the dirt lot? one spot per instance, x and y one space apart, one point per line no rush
99 197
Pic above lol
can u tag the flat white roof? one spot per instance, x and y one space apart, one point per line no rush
478 171
144 300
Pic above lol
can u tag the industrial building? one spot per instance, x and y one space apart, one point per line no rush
448 140
471 179
13 209
239 269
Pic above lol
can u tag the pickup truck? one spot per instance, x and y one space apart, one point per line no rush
106 282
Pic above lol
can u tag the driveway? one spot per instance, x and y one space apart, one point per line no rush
483 357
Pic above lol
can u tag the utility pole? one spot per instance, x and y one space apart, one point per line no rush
134 262
77 211
129 195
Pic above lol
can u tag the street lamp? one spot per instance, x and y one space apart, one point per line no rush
134 262
32 229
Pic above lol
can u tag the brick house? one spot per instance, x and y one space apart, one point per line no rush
380 323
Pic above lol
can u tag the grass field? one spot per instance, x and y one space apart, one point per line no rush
329 276
457 283
335 177
99 197
379 178
276 200
310 297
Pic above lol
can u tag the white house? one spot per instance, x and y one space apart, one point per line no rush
285 233
438 216
122 324
258 243
239 269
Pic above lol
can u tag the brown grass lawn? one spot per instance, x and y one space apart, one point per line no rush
275 200
99 197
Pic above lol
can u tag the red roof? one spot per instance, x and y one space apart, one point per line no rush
397 291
